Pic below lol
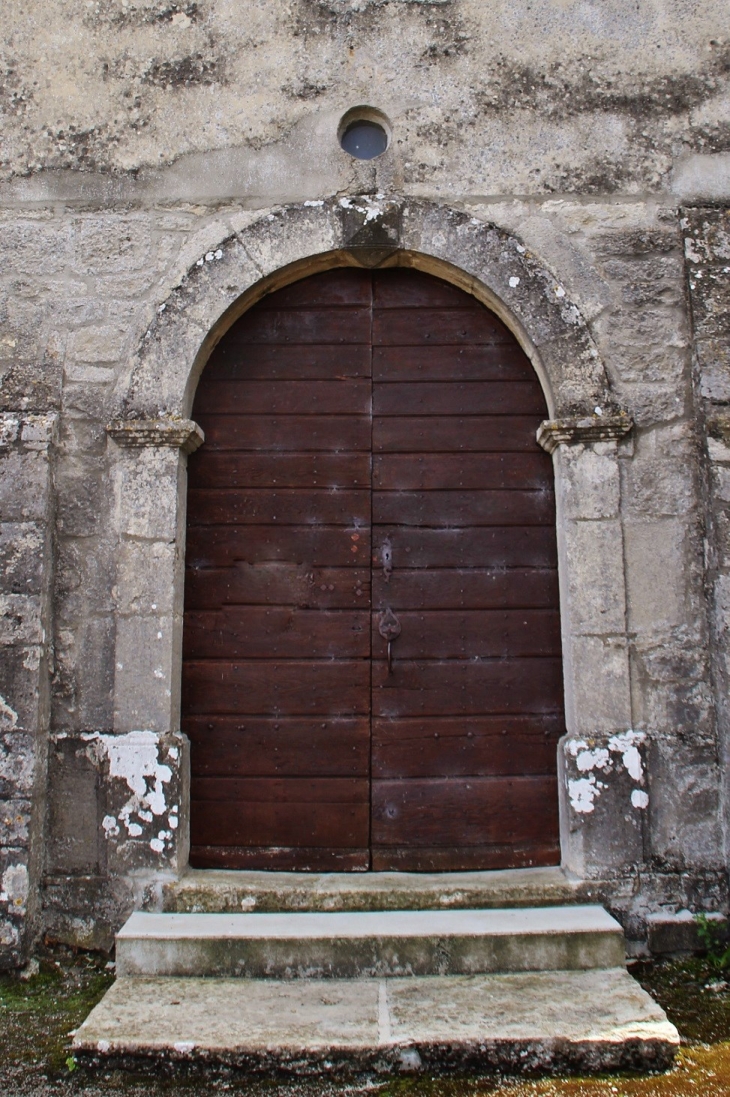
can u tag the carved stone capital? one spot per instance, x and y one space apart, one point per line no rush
181 433
572 432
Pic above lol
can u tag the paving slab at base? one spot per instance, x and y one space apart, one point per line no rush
573 1021
225 891
368 943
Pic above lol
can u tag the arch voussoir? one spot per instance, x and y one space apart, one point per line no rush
292 241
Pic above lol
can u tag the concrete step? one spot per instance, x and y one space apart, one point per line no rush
353 945
567 1020
211 891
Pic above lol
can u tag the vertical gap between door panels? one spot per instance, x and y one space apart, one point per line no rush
372 569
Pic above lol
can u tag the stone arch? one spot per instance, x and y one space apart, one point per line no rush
153 433
285 245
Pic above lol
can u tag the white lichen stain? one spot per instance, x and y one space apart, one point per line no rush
583 792
514 281
370 211
8 716
133 758
627 743
15 886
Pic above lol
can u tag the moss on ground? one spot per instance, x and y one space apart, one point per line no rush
38 1017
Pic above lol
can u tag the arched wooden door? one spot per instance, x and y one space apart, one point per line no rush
370 467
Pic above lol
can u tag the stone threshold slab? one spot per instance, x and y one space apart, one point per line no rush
538 1021
226 891
366 943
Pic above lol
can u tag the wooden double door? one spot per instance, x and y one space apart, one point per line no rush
370 475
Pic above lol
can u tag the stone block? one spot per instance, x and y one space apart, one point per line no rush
686 813
147 578
15 823
594 569
103 244
103 343
86 911
597 697
671 683
22 546
31 247
14 901
17 764
587 481
656 574
20 620
604 802
146 672
673 932
74 811
147 480
20 687
713 359
144 788
83 496
24 495
661 478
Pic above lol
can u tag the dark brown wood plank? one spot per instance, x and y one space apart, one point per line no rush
280 858
400 287
543 852
458 398
428 688
482 546
235 358
486 746
287 506
493 361
277 584
444 471
290 746
310 546
287 433
320 324
431 327
457 434
301 397
469 811
289 688
284 791
452 509
258 632
244 823
338 286
531 588
474 634
279 470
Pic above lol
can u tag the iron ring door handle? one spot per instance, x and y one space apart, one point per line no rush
389 628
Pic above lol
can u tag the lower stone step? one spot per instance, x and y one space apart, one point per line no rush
364 943
551 1020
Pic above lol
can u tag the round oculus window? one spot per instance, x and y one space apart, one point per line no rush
364 139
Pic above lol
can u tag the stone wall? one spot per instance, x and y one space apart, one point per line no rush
146 159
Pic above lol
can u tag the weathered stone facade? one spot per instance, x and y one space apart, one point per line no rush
163 166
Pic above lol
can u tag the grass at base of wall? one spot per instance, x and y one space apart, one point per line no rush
39 1014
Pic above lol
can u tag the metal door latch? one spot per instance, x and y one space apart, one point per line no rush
389 628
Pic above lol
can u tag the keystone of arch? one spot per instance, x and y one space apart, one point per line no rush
291 242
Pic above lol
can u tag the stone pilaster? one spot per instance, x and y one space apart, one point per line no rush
26 522
707 257
144 763
601 766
